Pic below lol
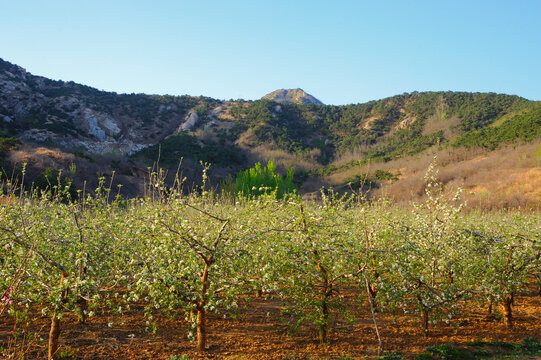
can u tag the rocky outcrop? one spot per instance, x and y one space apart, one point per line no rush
77 117
189 122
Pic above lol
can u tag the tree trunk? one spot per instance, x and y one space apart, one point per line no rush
507 311
426 321
201 329
324 326
490 315
82 306
374 291
373 311
326 286
54 334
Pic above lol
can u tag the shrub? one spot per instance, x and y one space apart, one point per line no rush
262 180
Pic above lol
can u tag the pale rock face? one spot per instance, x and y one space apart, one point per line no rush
9 87
123 146
100 125
6 118
164 108
109 135
189 122
216 111
72 102
94 129
111 128
40 135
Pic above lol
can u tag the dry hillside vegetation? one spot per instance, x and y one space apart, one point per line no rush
509 177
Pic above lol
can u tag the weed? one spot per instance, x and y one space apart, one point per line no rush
448 352
65 353
182 357
392 356
530 346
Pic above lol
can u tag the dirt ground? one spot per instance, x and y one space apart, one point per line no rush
259 332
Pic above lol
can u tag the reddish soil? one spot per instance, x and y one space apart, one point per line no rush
259 333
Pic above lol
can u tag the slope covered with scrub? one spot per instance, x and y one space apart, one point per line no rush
326 145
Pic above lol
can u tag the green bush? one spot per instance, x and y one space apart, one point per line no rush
263 180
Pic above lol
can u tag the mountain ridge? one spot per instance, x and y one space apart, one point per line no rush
106 132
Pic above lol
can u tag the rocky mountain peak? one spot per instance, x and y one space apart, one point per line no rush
297 96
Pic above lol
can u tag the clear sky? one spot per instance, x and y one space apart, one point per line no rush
339 51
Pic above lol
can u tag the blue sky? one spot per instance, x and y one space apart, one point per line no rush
339 51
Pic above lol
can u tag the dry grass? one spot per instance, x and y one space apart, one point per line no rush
225 113
83 172
311 188
41 157
246 139
438 122
284 160
350 155
434 123
407 122
506 178
369 121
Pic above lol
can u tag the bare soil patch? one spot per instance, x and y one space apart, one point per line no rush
260 332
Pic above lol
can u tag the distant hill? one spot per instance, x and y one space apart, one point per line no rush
57 126
296 96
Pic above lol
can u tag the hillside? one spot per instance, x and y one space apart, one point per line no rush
88 133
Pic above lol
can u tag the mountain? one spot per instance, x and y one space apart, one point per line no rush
296 96
78 117
56 126
61 125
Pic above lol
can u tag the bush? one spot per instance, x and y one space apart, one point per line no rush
257 181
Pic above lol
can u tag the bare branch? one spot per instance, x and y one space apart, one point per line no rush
206 213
